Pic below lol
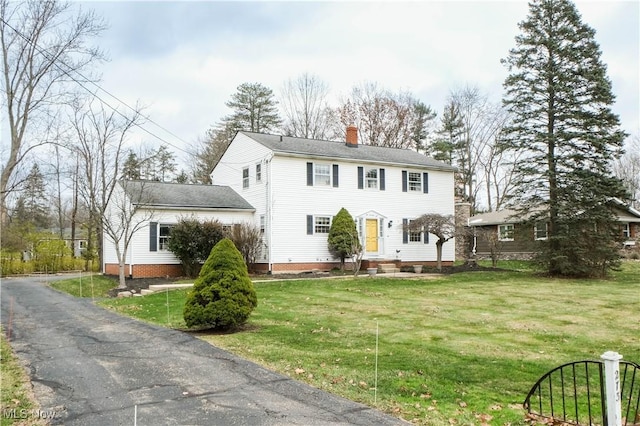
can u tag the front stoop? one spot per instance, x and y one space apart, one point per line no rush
388 268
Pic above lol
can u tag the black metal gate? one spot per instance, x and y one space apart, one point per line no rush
574 394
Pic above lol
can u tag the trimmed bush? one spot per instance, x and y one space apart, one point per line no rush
223 295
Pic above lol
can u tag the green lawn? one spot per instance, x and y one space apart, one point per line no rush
18 404
458 349
86 286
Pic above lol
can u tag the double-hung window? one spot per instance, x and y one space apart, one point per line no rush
372 178
258 172
164 233
318 224
415 182
540 231
626 231
245 177
322 174
414 236
505 232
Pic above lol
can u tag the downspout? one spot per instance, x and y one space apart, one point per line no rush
269 213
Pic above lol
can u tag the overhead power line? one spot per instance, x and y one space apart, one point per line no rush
100 88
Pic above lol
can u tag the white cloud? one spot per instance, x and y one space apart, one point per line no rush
185 59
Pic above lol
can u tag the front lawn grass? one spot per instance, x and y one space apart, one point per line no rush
459 349
18 404
86 286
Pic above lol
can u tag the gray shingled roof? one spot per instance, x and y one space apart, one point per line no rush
495 218
339 150
176 195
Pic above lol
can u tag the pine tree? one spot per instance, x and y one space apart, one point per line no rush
31 206
560 99
254 109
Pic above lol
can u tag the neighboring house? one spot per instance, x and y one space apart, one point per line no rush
162 205
293 187
515 240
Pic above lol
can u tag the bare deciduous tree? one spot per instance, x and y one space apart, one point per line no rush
627 169
100 138
305 107
383 118
44 47
128 211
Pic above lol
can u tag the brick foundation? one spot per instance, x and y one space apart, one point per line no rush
146 271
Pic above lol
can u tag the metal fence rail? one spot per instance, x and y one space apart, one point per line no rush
575 394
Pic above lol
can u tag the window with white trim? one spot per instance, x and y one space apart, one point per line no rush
626 231
414 236
322 174
258 172
540 231
414 180
372 178
262 224
245 177
505 232
164 234
321 224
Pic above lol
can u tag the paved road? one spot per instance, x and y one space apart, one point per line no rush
92 367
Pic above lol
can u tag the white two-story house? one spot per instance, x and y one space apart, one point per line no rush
294 186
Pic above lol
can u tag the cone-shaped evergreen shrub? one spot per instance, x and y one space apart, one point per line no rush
223 295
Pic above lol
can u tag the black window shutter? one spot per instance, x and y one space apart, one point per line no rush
382 180
335 175
425 182
309 174
405 233
153 236
360 177
309 224
404 181
425 237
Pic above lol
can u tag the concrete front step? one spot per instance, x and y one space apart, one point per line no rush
387 268
154 288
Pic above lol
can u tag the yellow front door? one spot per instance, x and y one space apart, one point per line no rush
372 235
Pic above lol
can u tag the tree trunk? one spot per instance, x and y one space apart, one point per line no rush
439 245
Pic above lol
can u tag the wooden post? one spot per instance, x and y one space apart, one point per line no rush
612 387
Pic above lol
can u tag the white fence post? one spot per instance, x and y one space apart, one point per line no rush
612 387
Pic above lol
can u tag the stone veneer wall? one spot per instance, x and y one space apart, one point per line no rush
462 215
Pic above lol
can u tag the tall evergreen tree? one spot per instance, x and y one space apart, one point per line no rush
254 109
31 206
560 99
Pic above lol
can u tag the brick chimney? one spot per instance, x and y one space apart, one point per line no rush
352 136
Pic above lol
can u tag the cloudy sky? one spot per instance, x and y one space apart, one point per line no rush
185 59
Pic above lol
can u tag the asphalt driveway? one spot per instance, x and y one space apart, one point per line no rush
93 367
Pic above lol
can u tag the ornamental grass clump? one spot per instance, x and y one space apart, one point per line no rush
223 295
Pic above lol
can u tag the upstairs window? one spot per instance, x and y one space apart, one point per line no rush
245 177
415 182
320 174
372 178
258 173
505 232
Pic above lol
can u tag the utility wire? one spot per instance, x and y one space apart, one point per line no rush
94 94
